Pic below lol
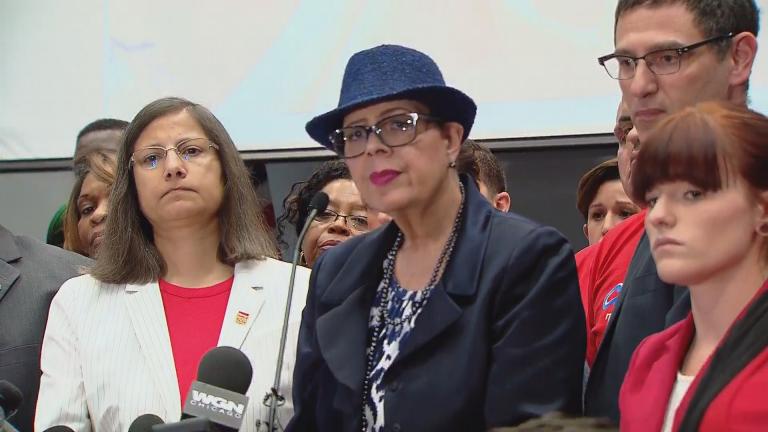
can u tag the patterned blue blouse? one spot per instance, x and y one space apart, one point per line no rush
387 345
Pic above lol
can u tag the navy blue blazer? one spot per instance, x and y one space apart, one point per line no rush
501 339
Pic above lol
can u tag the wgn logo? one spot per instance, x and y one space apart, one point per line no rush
217 404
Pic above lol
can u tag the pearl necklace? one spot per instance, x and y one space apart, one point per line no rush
384 298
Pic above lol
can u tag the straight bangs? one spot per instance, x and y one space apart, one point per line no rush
687 146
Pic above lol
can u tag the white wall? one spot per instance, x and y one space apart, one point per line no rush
266 67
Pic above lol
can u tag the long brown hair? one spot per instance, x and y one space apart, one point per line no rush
101 164
128 253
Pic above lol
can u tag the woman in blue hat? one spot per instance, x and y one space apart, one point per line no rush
452 317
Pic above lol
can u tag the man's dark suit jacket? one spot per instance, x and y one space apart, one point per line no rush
30 274
646 305
501 339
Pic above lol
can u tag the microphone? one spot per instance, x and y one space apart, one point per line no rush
61 428
318 204
10 400
143 423
216 401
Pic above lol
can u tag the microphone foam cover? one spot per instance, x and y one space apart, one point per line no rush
319 202
226 367
61 428
10 396
144 423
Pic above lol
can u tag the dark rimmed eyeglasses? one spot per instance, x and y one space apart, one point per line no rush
395 131
190 149
356 222
660 62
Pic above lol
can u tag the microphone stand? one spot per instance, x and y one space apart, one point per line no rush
274 395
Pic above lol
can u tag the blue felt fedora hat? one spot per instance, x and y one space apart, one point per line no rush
389 72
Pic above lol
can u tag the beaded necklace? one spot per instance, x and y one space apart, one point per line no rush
384 296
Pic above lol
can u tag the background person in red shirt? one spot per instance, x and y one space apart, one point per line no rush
702 173
600 287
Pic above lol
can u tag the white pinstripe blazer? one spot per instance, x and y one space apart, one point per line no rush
106 356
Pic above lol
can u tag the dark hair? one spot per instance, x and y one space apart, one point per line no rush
102 165
128 254
706 145
100 125
590 183
296 204
105 124
477 160
713 17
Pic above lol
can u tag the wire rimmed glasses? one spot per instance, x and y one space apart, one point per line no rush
190 149
660 62
394 131
356 222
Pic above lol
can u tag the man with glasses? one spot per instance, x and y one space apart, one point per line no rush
669 54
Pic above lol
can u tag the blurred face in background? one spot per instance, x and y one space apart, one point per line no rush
92 209
629 145
610 207
108 139
345 217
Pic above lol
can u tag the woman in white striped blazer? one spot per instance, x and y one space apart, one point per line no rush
185 266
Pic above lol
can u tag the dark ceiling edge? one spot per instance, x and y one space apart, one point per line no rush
502 144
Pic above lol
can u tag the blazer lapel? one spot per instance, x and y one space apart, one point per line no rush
342 335
9 252
145 307
439 313
663 374
245 303
462 274
342 331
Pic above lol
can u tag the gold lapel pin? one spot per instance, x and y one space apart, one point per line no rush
241 318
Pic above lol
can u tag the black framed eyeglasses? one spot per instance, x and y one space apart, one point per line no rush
660 62
190 149
356 222
395 131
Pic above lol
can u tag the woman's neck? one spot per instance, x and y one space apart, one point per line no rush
431 222
717 302
191 255
426 229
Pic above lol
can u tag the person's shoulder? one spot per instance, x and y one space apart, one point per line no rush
47 267
586 254
658 344
82 289
37 252
623 233
272 266
513 229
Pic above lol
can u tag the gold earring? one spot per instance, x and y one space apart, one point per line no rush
452 164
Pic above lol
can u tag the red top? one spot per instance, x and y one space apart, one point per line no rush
602 268
644 396
194 317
